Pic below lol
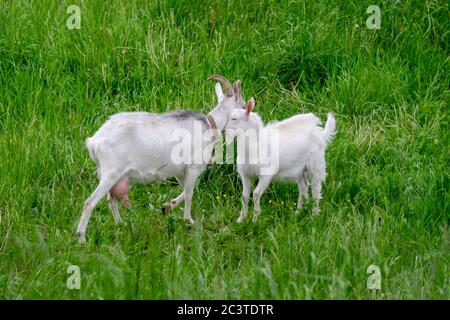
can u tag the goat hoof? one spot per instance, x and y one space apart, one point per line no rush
81 238
190 222
316 211
239 220
165 208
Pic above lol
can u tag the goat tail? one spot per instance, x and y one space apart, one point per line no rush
330 128
89 145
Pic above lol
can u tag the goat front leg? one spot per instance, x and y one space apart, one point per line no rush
189 184
172 204
263 183
176 201
246 185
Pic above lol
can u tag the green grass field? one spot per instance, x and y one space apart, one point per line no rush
385 200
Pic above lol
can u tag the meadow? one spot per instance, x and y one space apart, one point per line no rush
385 200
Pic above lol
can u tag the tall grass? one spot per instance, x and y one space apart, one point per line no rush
386 199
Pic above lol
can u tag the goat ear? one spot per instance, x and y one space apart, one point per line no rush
219 92
237 88
250 106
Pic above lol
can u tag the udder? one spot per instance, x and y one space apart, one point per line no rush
120 191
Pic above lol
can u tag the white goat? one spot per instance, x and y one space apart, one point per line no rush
138 147
297 146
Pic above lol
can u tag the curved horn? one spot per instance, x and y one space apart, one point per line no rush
225 82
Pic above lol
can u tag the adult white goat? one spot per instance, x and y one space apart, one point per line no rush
292 149
138 147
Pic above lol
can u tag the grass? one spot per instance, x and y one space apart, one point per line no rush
386 199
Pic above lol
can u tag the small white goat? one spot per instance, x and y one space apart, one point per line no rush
137 147
298 150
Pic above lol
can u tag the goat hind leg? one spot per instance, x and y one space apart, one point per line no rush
316 193
316 186
302 183
114 207
102 190
317 170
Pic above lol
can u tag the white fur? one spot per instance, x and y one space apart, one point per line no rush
137 146
302 144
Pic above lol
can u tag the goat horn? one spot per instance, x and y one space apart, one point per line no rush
225 82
